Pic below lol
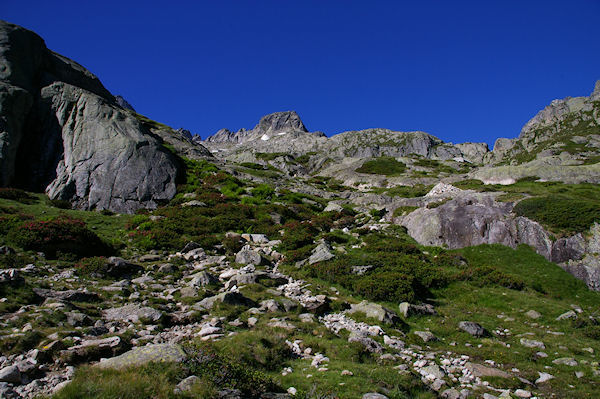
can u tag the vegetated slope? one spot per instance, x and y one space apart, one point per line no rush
233 307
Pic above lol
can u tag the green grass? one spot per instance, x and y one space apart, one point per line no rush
152 381
270 156
534 269
562 214
387 166
418 190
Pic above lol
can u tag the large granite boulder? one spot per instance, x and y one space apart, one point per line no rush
61 131
158 353
473 219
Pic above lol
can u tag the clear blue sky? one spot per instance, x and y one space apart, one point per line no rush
460 70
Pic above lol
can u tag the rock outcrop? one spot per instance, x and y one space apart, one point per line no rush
473 219
61 131
121 102
569 127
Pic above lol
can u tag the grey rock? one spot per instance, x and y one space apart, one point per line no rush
321 253
184 133
10 374
248 278
533 314
229 393
529 343
78 319
188 383
567 315
407 309
248 256
141 355
570 248
473 328
167 268
567 361
66 134
480 370
426 336
190 246
374 395
269 125
68 295
543 377
10 276
289 305
360 270
150 258
256 238
202 279
474 219
333 207
132 313
232 298
270 305
375 311
473 152
91 350
121 102
521 393
434 370
450 393
118 268
369 344
188 292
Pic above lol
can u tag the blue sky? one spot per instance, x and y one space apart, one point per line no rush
460 70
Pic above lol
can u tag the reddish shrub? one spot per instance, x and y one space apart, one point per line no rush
57 236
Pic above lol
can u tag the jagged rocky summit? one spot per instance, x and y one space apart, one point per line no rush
61 131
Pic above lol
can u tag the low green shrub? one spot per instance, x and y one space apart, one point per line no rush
21 343
91 266
264 349
58 235
59 203
223 371
401 272
392 286
418 190
297 235
263 191
387 166
14 260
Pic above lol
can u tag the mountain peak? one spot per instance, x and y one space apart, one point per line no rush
280 121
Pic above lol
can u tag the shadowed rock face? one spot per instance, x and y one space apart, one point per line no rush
61 131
